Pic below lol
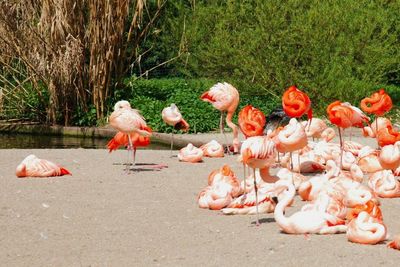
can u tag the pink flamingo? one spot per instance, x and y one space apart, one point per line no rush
389 157
190 153
173 117
32 166
225 98
291 138
366 229
317 128
222 187
304 222
128 121
257 152
384 184
213 149
368 160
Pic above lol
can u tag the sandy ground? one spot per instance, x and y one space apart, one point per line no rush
101 216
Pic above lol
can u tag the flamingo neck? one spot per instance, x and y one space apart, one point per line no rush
266 176
283 221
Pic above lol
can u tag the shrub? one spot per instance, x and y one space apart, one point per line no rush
330 49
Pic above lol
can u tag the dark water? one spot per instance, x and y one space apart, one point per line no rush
51 141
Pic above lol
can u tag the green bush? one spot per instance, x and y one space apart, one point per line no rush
330 49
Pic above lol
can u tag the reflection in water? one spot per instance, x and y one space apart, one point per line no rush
52 141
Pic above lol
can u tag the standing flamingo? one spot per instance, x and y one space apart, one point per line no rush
32 166
291 138
378 104
257 152
121 139
128 121
343 115
296 103
225 98
173 117
251 121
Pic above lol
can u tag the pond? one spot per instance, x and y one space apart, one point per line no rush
54 141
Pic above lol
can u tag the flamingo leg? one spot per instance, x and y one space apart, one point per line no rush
221 129
376 132
134 156
244 181
341 148
235 131
172 143
298 158
129 148
256 191
291 161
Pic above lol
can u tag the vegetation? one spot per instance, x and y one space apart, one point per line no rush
330 49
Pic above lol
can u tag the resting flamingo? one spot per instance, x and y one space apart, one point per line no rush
257 152
370 207
304 222
344 115
225 98
190 153
213 149
128 121
389 156
173 117
365 229
32 166
384 184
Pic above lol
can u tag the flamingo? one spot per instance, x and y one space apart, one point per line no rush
379 123
251 121
387 136
32 166
389 157
370 207
128 121
121 139
378 103
368 160
296 103
365 229
190 153
344 115
213 149
384 184
225 98
304 222
291 138
257 152
173 117
222 187
317 128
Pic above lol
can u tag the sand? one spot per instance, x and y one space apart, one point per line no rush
101 216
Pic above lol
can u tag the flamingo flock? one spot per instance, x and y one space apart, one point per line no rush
340 184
